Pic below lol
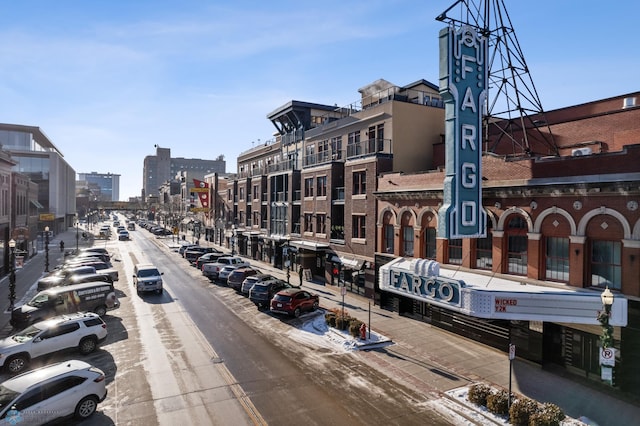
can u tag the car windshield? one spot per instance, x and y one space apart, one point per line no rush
145 273
39 300
6 396
26 334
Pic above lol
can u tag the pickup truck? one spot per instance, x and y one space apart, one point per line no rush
211 270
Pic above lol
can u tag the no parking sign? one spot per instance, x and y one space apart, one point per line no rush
608 356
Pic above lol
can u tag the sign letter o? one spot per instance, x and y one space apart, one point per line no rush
446 292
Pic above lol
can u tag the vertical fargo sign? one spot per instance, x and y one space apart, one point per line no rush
463 82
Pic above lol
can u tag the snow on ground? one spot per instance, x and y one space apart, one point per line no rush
454 404
316 332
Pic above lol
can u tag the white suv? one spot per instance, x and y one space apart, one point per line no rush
146 277
212 270
82 331
70 388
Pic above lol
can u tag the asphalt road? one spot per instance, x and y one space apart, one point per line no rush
202 354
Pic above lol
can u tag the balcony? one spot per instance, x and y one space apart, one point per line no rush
338 194
368 147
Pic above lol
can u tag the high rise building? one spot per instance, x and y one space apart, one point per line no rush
160 168
101 186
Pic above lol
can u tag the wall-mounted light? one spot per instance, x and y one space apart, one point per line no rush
577 251
632 257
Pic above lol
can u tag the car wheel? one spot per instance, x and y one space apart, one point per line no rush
315 306
101 311
86 407
87 345
17 364
296 312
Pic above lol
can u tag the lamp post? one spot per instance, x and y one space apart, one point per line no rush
287 261
607 351
77 235
233 240
12 274
607 330
46 249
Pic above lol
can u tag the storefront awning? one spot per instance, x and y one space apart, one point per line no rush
351 263
309 245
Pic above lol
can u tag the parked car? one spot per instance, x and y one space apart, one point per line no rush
100 267
81 331
162 232
184 247
95 297
224 273
250 281
261 293
146 277
60 276
89 278
212 270
193 253
237 276
209 258
100 250
294 301
57 391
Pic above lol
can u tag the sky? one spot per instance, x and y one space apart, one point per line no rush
107 80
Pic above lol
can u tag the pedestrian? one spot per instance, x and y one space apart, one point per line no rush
301 274
61 245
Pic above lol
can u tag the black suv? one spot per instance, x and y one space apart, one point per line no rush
263 291
193 253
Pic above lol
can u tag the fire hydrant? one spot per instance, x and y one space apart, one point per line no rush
363 331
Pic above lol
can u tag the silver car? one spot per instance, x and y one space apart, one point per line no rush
66 389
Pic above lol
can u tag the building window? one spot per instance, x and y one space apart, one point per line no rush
256 192
407 241
321 223
241 189
359 182
353 144
322 186
430 243
517 246
323 151
389 240
557 259
484 251
336 148
308 187
308 222
455 251
359 227
606 264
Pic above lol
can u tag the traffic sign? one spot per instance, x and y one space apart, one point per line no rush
512 351
608 356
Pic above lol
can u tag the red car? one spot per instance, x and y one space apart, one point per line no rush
294 301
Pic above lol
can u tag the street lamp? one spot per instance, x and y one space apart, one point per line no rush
607 330
233 240
46 249
12 274
77 235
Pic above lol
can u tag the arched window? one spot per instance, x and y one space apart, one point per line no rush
388 231
407 234
430 243
517 245
556 260
484 250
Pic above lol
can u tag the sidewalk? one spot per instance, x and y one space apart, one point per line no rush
428 357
